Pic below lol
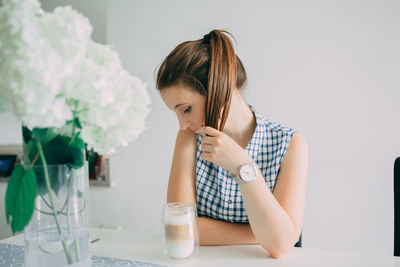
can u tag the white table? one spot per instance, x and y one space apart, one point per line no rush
146 247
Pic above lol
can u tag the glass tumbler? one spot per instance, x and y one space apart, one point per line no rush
180 230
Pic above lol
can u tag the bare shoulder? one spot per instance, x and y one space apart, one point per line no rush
298 140
186 135
297 152
185 141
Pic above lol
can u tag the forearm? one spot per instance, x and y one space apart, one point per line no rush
215 232
271 225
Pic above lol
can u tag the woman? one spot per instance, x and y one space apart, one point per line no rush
246 174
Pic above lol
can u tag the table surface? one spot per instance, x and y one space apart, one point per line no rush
146 247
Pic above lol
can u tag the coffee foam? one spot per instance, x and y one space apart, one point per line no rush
179 217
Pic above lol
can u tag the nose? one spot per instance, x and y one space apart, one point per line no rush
184 124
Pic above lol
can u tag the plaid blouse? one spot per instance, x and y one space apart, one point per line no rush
218 195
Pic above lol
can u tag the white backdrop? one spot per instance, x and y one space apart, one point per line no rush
329 69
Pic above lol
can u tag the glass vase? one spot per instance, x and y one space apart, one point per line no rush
58 232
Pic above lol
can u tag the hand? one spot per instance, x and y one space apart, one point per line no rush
222 150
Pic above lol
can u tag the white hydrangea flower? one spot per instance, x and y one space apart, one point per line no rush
50 71
114 114
38 50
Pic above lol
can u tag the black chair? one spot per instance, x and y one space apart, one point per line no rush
298 244
396 187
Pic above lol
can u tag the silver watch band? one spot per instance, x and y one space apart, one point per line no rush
237 178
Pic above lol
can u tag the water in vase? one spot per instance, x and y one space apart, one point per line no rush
44 247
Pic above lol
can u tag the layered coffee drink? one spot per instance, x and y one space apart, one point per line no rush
180 229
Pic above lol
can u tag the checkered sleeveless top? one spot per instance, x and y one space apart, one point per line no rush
218 195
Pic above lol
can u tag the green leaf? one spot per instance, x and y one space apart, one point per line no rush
40 133
77 123
79 143
44 135
20 198
12 190
26 134
41 182
59 151
31 149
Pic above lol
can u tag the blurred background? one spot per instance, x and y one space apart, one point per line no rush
330 69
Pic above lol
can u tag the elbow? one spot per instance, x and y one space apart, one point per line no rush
279 245
277 250
278 253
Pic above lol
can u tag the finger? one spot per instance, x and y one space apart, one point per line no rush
207 130
206 156
211 131
208 140
201 131
207 148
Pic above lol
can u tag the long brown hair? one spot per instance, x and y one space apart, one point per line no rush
211 68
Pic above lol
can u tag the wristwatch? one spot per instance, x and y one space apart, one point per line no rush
247 173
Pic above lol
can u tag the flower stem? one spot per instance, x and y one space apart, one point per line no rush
68 215
47 180
34 160
74 117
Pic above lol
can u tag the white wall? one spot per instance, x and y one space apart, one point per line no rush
327 68
94 10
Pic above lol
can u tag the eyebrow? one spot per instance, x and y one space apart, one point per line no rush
178 105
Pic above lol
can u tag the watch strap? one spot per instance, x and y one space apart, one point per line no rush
237 178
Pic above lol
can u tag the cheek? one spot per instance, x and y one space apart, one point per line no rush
201 118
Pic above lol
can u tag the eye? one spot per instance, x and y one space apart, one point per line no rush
188 109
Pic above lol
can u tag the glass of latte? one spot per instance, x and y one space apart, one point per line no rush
180 230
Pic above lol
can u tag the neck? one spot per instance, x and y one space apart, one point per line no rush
241 122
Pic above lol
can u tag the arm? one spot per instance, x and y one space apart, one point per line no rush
182 178
182 188
275 218
215 232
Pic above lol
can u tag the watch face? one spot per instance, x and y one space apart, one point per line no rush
248 173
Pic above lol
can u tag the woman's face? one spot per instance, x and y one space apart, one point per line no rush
187 104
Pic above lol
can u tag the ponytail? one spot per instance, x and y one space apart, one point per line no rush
221 79
210 67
